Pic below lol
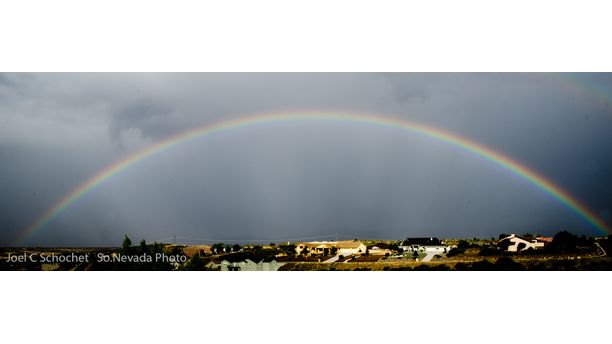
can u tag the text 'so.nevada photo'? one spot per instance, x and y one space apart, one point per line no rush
305 171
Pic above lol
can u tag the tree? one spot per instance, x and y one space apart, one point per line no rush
156 248
288 249
521 246
217 248
463 244
143 246
393 247
196 263
236 248
126 245
502 235
565 241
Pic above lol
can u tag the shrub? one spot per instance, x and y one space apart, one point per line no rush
455 252
487 251
461 267
508 264
483 265
463 244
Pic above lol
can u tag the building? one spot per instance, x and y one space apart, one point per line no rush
347 248
322 248
515 243
423 245
545 240
249 265
377 251
380 249
316 247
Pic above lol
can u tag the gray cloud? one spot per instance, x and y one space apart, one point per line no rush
299 179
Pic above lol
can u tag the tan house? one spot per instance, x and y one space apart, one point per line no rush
377 251
347 248
315 247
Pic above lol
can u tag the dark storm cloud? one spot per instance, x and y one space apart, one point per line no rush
294 179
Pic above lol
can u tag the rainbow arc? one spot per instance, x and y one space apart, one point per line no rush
410 126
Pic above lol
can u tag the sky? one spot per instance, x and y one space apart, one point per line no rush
299 180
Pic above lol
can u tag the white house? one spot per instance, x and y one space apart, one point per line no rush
514 241
423 245
249 265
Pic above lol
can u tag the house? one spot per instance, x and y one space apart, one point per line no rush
380 245
545 240
515 243
249 265
380 249
322 248
377 251
423 245
316 247
347 248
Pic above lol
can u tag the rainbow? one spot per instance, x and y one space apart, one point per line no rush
408 125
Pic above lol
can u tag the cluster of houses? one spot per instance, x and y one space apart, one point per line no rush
246 265
431 245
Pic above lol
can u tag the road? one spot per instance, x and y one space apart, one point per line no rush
603 252
332 259
429 256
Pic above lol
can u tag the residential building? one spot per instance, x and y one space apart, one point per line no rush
513 242
347 248
423 245
316 247
249 265
545 240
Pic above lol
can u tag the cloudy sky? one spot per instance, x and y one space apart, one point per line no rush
299 179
